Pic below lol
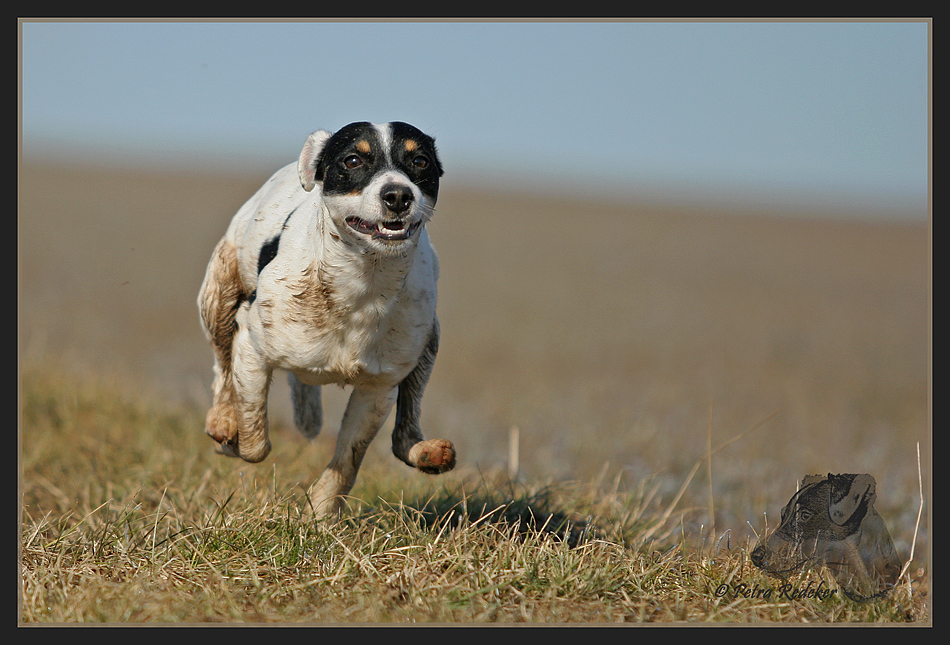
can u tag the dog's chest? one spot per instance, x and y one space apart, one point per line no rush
347 329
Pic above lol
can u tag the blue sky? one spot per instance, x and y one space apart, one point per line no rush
799 111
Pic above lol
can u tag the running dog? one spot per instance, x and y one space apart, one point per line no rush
327 272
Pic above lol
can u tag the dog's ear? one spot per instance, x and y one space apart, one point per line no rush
309 161
848 493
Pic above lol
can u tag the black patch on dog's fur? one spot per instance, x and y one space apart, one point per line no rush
331 167
341 176
268 253
270 247
421 164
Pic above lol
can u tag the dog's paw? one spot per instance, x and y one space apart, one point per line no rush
221 424
433 456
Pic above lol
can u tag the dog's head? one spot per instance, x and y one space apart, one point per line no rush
379 183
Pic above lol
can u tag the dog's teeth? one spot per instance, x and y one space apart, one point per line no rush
387 230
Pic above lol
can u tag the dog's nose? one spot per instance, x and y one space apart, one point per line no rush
397 198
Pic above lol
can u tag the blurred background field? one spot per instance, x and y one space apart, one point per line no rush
613 335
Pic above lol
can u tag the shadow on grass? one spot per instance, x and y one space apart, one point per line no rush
569 512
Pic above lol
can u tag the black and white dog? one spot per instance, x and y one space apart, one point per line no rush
327 272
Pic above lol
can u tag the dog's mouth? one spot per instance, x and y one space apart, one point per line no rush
386 230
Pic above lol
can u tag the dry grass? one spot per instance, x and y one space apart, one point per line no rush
623 340
118 528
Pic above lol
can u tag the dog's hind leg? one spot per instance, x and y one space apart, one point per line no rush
435 455
251 379
308 409
218 300
365 412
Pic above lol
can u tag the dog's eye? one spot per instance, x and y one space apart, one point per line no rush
420 161
352 161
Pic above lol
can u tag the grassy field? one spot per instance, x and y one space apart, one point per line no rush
623 341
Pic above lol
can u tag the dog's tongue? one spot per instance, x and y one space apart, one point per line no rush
361 225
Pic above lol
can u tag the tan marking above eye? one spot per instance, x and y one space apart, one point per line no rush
411 145
363 146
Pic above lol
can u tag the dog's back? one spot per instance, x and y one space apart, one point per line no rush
256 229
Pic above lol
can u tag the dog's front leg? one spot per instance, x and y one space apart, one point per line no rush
365 412
434 456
